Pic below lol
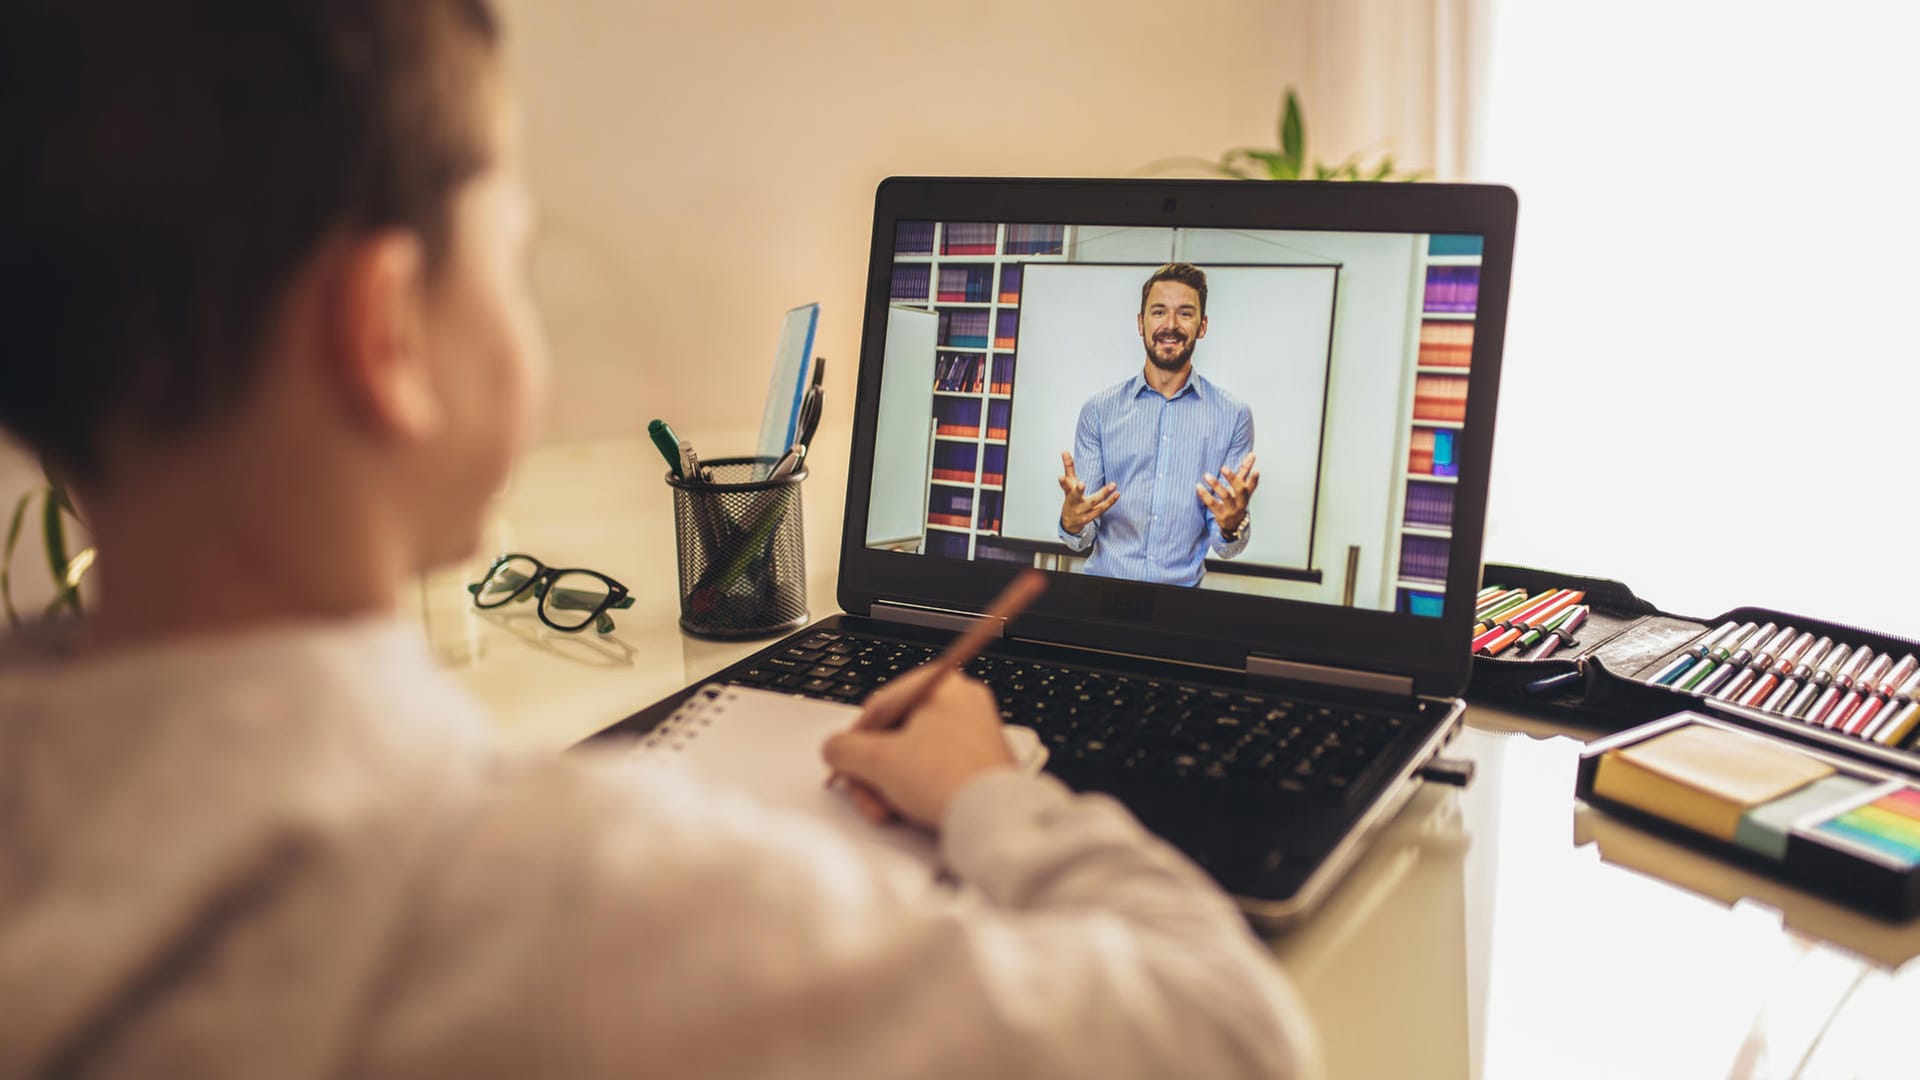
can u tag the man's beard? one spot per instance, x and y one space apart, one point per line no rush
1178 361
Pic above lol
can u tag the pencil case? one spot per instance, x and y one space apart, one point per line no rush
1751 666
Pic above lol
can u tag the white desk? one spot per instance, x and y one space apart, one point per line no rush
1501 931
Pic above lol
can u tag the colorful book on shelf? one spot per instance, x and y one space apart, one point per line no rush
1424 557
1420 451
1439 397
1430 505
1446 344
910 284
1036 239
1452 290
956 476
952 521
913 238
994 478
969 238
965 431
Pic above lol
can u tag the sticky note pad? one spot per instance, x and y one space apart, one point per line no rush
1704 778
1763 829
1889 825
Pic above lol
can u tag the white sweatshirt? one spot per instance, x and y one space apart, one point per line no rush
295 853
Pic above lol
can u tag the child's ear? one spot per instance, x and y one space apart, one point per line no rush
379 345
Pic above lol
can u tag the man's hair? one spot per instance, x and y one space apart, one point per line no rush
1184 273
171 165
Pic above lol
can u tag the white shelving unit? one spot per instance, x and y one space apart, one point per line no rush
998 352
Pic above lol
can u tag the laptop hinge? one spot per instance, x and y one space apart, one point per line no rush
933 618
1346 678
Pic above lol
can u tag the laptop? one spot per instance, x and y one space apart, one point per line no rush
1263 674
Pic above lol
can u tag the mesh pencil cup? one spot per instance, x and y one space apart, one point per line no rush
743 566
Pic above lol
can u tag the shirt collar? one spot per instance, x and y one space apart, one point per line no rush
1196 386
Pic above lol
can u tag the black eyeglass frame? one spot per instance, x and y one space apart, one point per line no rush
540 584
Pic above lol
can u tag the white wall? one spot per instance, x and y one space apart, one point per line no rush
704 167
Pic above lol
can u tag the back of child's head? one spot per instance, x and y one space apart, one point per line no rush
171 165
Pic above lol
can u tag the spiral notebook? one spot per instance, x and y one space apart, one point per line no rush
767 746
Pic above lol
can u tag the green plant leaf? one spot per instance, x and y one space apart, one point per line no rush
6 558
1246 163
1293 133
54 524
1384 170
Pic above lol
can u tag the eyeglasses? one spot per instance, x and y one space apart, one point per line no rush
569 598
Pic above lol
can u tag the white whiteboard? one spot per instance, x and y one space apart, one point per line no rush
902 448
1268 333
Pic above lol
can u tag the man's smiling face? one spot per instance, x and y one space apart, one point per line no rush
1171 324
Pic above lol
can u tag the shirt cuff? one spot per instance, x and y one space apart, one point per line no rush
1228 550
1077 541
980 837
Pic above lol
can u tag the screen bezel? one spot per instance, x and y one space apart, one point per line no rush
1168 621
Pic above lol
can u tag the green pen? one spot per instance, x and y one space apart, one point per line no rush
669 446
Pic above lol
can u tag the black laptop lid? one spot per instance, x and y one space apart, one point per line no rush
1351 338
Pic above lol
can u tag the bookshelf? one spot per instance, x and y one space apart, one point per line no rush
969 273
1451 272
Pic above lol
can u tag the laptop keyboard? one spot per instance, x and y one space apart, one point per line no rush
1127 724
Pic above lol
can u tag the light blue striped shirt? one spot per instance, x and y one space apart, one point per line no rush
1156 449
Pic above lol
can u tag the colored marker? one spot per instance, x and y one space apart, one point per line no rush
1716 679
1506 603
1848 716
1735 665
1521 617
1736 687
1784 698
1534 634
1482 607
1780 664
1822 711
1894 731
1889 695
1763 659
1777 701
1817 680
1562 634
1716 657
1902 674
1882 698
1535 618
1686 660
1493 613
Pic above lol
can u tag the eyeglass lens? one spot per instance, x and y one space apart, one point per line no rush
506 580
572 599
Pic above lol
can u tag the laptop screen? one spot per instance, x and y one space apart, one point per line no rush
1259 411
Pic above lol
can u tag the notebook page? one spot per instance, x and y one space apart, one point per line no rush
767 746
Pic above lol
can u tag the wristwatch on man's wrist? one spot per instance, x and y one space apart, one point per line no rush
1234 536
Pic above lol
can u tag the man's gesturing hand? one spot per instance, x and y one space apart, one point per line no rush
1228 496
1079 508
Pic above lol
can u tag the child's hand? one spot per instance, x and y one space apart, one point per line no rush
913 765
